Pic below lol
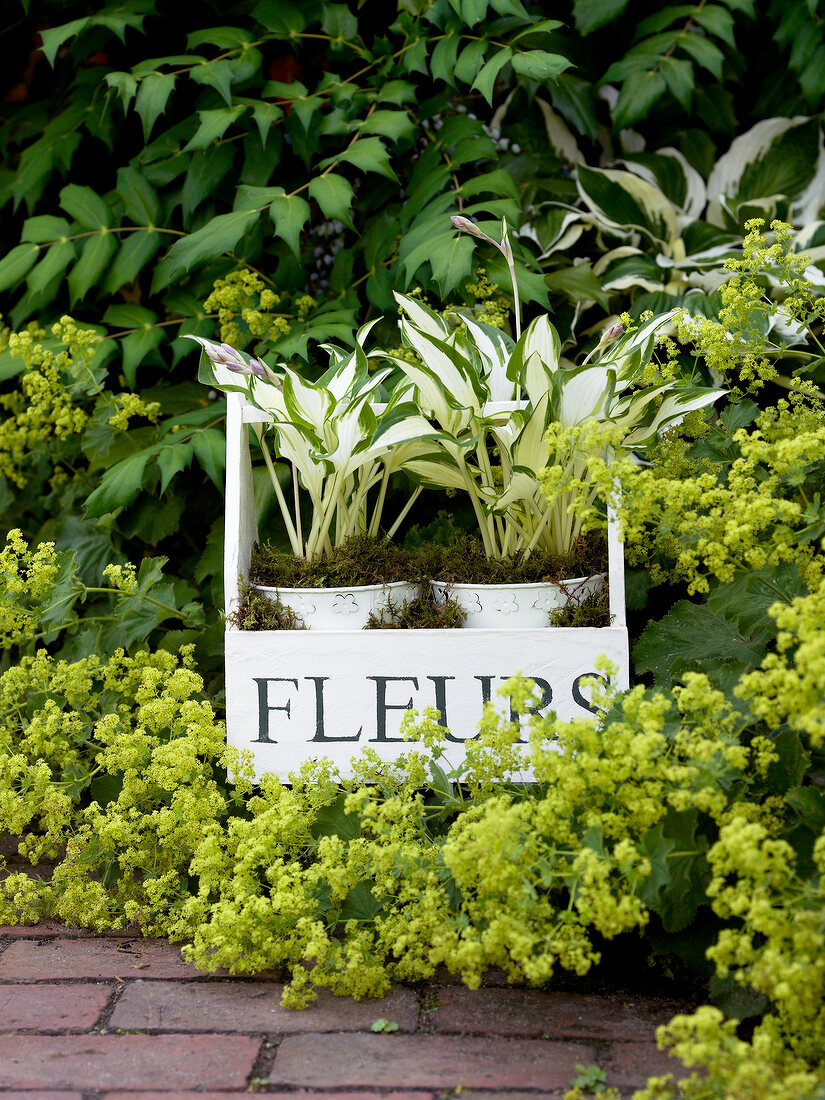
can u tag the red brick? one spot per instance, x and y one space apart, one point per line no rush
292 1095
51 1007
101 957
530 1013
251 1007
426 1061
94 1062
633 1063
52 928
42 1096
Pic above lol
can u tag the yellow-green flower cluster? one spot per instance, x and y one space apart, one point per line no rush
54 400
242 298
712 521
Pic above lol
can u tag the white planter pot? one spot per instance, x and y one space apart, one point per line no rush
298 695
341 608
515 606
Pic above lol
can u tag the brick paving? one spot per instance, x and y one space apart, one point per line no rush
88 1017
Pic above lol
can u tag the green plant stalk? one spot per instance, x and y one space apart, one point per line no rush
403 513
294 541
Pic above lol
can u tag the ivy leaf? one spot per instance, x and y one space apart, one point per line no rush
266 115
280 17
704 53
443 59
17 263
95 254
592 14
210 451
540 65
216 74
390 124
221 234
486 77
135 253
574 99
213 125
226 38
86 207
679 76
289 213
54 263
334 195
135 347
125 84
140 202
451 260
45 227
639 92
152 97
52 38
470 61
172 459
369 154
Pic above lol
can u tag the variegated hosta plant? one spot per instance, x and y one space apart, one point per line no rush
340 440
653 229
494 400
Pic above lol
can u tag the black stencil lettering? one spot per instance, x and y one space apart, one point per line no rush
264 706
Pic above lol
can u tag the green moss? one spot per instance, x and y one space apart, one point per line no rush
593 610
421 614
358 560
258 612
466 562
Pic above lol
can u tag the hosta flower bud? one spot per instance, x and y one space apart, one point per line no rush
467 226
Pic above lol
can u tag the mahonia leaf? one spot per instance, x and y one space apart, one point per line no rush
334 195
370 154
221 234
17 263
152 97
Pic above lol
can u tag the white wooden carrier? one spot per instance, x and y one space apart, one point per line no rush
296 694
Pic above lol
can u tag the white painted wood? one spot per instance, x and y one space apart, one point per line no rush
297 695
289 694
241 527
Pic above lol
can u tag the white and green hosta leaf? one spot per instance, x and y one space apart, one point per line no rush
677 179
624 201
670 412
535 358
420 315
436 470
635 348
306 405
776 158
446 380
587 394
494 349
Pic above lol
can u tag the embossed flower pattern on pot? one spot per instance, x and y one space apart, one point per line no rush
302 606
472 603
344 604
546 601
506 603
